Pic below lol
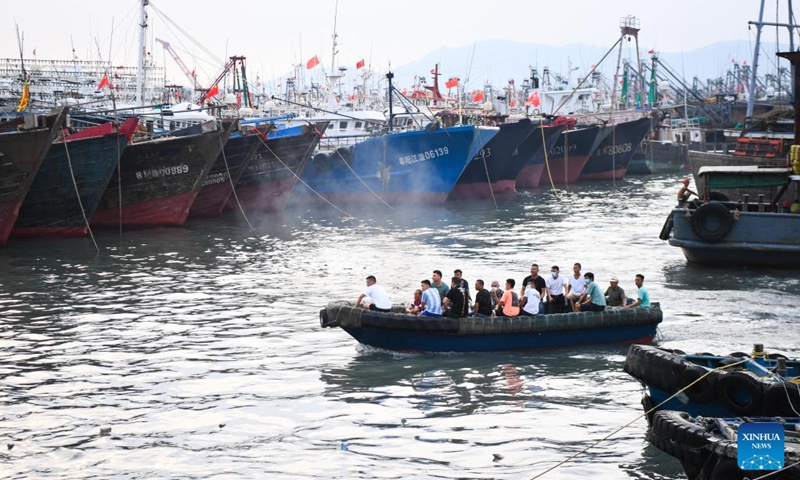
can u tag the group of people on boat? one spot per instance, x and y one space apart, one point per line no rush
537 295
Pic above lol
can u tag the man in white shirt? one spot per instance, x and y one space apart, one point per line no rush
556 285
376 293
531 304
576 287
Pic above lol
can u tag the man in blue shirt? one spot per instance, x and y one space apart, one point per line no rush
593 299
643 299
431 302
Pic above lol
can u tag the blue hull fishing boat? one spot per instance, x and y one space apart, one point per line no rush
708 448
716 385
409 333
746 232
407 167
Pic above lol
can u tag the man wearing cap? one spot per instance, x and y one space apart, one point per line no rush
684 193
615 295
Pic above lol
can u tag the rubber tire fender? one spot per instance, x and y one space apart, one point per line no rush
706 214
729 381
702 391
728 469
775 396
655 367
323 318
668 224
674 433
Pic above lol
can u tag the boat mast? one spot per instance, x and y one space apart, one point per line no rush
142 53
333 56
759 25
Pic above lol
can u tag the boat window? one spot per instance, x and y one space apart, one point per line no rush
342 125
358 125
330 125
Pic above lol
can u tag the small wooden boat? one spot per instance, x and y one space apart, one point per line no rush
751 384
708 448
408 333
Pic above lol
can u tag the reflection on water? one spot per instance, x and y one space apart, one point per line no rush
200 347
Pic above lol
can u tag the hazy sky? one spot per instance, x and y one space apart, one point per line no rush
276 34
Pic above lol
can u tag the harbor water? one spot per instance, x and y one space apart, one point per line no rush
196 352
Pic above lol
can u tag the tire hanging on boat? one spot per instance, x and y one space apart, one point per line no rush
674 433
712 222
668 224
702 391
783 398
740 392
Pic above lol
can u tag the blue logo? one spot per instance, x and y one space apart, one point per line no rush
760 446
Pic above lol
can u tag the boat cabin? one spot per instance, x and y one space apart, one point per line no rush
770 184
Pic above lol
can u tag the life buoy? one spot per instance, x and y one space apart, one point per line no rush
668 224
712 222
740 392
702 391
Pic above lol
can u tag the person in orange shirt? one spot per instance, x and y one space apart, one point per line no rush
508 305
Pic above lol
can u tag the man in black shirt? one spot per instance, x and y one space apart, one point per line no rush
463 284
539 282
483 300
455 300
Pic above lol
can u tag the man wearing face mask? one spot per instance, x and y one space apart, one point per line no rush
592 299
556 284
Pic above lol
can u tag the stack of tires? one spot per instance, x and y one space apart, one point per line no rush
739 390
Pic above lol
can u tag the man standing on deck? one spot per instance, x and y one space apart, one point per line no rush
438 284
575 287
376 293
643 299
431 302
462 284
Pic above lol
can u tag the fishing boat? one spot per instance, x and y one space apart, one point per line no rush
24 143
494 169
711 448
609 161
761 231
399 331
271 176
71 181
543 140
158 178
231 163
565 158
405 167
757 383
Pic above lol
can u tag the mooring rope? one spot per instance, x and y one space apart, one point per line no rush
679 392
488 179
547 162
297 177
78 193
230 180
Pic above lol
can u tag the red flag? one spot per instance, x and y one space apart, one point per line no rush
213 91
312 63
533 99
478 97
512 104
360 64
652 50
103 82
452 83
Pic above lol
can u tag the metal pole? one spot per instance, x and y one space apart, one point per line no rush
140 69
390 76
752 92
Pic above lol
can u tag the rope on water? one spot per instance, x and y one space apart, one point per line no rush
230 180
78 194
547 162
297 177
486 169
679 392
614 155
